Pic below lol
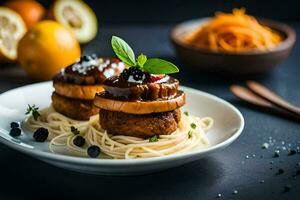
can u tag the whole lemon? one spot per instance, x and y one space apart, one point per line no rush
46 48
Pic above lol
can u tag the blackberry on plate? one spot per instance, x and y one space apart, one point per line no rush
14 132
14 125
41 134
79 141
93 151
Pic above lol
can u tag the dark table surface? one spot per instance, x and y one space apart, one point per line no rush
23 177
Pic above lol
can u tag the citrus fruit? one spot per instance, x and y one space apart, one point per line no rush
77 16
46 48
12 29
31 11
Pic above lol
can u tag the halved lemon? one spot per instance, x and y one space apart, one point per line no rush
77 16
31 11
12 29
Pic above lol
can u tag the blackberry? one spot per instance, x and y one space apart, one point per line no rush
138 77
14 132
136 73
14 125
125 74
93 151
41 134
79 141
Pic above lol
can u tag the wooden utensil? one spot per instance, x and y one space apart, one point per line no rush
252 98
272 97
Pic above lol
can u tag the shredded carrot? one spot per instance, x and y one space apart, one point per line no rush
234 32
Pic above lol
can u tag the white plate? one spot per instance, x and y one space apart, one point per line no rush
228 125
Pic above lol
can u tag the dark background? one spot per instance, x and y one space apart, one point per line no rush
169 11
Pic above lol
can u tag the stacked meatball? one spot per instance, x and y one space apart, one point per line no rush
140 104
76 85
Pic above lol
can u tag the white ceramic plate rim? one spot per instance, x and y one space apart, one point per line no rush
109 162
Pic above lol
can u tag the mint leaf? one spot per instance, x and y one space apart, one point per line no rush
159 66
141 60
123 51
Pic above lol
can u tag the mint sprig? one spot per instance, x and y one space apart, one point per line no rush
141 60
123 51
34 111
159 66
152 65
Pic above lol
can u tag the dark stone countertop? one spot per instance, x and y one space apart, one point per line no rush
223 172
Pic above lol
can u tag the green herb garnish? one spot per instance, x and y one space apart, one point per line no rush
153 138
190 133
74 130
151 65
193 125
141 60
123 51
186 113
34 111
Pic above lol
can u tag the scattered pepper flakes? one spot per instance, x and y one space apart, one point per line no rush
276 154
292 152
265 146
280 171
287 188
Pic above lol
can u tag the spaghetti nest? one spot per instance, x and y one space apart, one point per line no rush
185 138
233 32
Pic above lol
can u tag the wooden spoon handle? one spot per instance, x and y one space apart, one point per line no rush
250 97
272 97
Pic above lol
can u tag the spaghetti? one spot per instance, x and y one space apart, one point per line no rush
236 32
184 139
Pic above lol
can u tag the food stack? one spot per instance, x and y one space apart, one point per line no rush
76 86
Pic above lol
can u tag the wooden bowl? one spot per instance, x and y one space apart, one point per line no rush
252 62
